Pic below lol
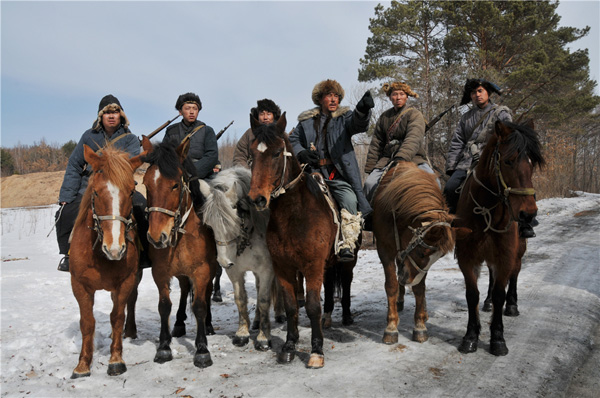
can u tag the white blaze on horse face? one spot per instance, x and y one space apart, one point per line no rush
261 147
116 225
156 176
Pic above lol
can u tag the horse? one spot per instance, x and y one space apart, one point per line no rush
181 245
240 231
412 229
104 255
298 240
496 195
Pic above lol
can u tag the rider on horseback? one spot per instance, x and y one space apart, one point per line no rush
323 140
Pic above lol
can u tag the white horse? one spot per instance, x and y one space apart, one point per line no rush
241 246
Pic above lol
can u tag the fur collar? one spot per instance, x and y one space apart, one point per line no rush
314 112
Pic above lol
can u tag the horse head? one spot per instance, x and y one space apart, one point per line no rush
273 161
168 192
109 193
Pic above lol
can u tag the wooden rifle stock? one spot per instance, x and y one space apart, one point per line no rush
158 130
437 118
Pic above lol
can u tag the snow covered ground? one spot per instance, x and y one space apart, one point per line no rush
553 343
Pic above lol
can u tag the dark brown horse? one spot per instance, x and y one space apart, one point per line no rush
412 228
103 250
495 196
181 245
301 232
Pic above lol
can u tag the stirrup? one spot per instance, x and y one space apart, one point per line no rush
63 265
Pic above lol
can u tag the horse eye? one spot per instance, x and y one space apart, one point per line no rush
508 162
277 154
175 186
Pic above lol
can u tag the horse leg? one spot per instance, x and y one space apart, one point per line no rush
116 365
163 352
487 303
390 335
347 276
242 336
401 295
263 340
512 309
210 330
200 306
421 316
471 338
313 310
87 324
130 326
217 286
497 343
185 287
277 298
288 351
300 289
256 321
329 287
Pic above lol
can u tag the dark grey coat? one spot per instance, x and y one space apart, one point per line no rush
203 152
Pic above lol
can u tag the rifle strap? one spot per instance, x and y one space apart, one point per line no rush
396 122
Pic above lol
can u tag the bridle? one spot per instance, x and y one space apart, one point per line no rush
129 223
242 240
180 216
282 187
504 191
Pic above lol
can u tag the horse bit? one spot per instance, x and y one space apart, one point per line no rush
129 223
178 219
502 196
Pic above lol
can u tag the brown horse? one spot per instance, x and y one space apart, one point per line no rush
412 228
301 232
495 196
103 250
181 245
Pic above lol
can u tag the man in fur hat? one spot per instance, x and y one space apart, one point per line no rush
203 151
111 126
323 140
472 133
398 135
266 111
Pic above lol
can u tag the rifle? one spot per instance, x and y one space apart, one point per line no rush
152 134
526 112
223 131
437 118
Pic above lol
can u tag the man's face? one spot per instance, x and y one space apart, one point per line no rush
480 97
111 119
398 98
330 102
265 117
189 112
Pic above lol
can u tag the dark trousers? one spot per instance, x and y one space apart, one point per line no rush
450 190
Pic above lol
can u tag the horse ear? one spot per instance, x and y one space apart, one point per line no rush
281 123
91 157
146 144
183 148
461 232
254 123
529 123
137 161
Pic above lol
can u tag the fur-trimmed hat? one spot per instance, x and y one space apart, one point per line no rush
110 103
473 84
266 105
188 98
388 88
325 87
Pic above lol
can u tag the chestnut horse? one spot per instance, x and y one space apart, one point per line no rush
413 230
180 244
301 232
496 195
103 250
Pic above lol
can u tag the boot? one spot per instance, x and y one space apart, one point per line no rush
368 222
64 264
351 229
145 259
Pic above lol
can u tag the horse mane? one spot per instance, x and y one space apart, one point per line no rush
116 168
524 141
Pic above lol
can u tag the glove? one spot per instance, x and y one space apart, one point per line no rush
365 103
309 157
450 172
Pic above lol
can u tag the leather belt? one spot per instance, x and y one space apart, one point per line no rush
325 162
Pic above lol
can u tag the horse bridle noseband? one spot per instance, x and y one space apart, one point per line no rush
280 190
503 196
129 223
242 240
178 219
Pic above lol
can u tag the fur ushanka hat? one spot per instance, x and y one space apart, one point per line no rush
473 84
266 105
325 87
388 88
188 98
110 103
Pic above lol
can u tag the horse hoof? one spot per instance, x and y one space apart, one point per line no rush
163 355
326 323
240 341
420 336
301 303
487 306
400 306
468 346
80 375
280 319
390 338
498 348
316 361
210 331
115 369
130 334
262 345
255 325
347 320
202 360
217 298
511 310
178 331
285 357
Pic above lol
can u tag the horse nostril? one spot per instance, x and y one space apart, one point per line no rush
526 217
260 202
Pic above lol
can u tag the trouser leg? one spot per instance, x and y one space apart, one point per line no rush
450 190
65 220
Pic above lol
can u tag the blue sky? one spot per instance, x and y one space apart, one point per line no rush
59 58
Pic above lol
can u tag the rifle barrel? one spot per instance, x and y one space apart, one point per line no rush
223 130
165 124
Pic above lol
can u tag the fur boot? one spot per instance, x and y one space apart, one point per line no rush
351 229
